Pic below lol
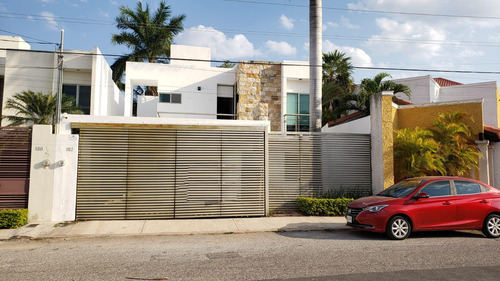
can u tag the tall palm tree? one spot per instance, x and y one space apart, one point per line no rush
37 108
370 87
149 36
337 85
456 143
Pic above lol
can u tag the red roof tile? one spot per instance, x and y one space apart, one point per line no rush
445 82
349 117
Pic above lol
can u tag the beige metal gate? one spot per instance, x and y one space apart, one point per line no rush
307 164
135 173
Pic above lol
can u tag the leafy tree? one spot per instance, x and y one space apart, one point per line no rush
447 148
227 64
149 36
416 154
337 85
456 143
370 87
37 108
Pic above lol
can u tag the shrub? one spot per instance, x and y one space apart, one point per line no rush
323 207
13 218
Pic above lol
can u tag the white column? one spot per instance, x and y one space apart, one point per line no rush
484 169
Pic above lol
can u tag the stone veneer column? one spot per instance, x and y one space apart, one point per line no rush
259 90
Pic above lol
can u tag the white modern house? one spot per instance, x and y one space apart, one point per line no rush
87 76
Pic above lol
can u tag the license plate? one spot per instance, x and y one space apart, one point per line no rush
349 219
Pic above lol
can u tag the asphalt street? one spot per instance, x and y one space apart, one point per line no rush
313 255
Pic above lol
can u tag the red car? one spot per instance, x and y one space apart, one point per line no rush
428 203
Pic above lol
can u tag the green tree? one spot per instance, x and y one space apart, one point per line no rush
416 154
369 87
37 108
227 64
447 148
149 36
337 86
456 143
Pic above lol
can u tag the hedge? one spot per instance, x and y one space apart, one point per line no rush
13 218
323 207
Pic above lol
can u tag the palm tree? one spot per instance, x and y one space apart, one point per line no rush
37 108
370 87
148 35
456 144
337 85
416 154
227 64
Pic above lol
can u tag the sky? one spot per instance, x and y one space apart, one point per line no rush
428 35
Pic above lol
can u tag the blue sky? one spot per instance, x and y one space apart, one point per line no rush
438 34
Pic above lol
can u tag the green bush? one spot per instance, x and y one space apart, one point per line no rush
13 218
323 207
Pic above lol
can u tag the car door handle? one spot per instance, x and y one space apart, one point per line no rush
447 203
483 201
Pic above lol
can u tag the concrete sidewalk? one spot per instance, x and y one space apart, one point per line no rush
173 227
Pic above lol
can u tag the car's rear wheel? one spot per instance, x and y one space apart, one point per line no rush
398 228
491 226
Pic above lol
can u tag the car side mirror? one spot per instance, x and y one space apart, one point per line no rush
421 195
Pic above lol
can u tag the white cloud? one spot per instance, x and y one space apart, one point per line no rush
286 22
358 56
282 48
329 24
426 39
115 3
49 18
222 47
47 1
347 24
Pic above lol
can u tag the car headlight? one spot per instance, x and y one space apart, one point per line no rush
375 209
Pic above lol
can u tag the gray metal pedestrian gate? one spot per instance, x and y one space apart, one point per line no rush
158 173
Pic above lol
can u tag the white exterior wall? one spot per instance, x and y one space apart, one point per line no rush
52 195
423 89
106 98
358 126
178 78
487 91
25 70
294 79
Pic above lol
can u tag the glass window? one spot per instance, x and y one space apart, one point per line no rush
81 95
436 189
297 108
467 187
401 189
175 98
165 98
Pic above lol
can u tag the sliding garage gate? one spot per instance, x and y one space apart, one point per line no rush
132 173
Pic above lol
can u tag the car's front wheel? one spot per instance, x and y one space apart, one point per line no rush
491 227
398 228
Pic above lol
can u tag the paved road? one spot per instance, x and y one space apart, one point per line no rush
338 255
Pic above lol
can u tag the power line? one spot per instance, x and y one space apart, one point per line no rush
368 11
26 36
267 63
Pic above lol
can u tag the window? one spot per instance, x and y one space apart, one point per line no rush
437 189
170 98
467 187
81 94
1 93
297 117
226 102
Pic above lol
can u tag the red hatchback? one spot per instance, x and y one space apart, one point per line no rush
428 203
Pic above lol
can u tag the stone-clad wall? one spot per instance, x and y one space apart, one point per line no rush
259 90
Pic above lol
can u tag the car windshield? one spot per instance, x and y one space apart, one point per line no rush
401 189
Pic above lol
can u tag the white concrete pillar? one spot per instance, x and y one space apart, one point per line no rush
484 169
53 175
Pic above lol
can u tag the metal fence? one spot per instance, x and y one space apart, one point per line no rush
15 157
308 164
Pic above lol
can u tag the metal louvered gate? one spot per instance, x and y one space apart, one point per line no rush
15 158
306 164
132 173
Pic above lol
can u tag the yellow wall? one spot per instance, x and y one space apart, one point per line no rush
389 120
425 117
